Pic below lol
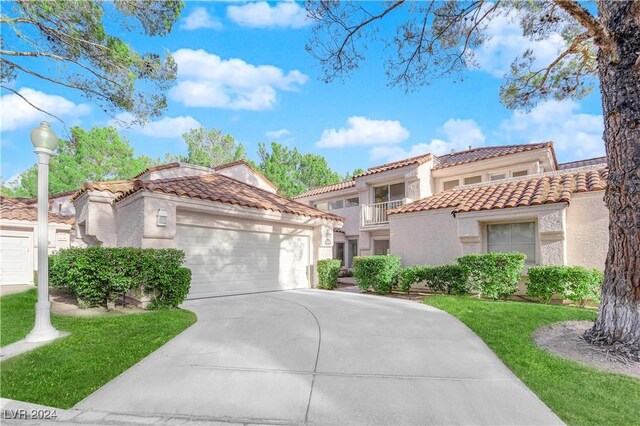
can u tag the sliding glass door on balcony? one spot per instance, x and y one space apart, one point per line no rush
385 193
386 197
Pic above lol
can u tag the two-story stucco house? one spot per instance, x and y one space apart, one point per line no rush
431 209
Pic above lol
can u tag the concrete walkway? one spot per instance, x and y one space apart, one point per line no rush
319 357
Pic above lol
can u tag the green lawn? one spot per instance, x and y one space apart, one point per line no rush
17 310
577 394
99 348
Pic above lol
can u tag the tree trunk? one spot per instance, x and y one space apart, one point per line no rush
618 321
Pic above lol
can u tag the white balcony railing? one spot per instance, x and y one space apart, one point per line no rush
376 214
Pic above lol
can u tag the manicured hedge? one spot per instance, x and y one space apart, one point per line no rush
379 273
328 271
570 282
451 278
102 275
494 275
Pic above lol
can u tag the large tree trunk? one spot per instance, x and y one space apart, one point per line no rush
618 321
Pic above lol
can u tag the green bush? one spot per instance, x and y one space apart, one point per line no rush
451 278
494 275
379 273
575 283
545 281
102 275
328 271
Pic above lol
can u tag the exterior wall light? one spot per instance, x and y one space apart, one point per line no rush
161 217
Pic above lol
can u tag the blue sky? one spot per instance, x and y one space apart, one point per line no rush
243 68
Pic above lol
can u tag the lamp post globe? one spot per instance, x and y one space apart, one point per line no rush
43 137
45 142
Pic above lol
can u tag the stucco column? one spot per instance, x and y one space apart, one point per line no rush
43 330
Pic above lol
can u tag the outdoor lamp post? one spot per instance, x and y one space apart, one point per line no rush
44 141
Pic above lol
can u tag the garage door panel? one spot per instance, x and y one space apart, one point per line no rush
226 261
15 255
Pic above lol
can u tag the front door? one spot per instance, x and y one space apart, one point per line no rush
380 247
352 251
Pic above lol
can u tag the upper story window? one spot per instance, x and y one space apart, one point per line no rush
513 237
498 176
386 193
351 202
520 173
336 204
472 179
450 184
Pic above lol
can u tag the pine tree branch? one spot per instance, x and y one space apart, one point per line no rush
30 103
594 27
59 58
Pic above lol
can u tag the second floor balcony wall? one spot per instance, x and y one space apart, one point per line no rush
376 214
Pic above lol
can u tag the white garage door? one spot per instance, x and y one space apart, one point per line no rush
15 260
224 261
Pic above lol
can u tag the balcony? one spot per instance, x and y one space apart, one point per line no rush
376 214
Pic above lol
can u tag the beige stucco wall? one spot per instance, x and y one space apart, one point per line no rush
587 230
352 219
182 171
427 238
130 223
243 173
96 218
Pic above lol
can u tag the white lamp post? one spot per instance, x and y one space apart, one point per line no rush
45 142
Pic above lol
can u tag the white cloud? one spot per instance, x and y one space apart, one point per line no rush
288 14
16 113
504 42
364 131
561 122
200 18
206 80
277 134
166 127
458 134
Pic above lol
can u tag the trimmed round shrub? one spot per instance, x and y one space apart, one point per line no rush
494 275
328 271
379 273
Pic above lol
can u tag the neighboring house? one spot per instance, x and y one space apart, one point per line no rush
19 242
431 209
238 235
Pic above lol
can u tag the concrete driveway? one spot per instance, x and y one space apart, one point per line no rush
319 357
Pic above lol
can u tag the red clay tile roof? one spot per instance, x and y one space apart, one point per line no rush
484 153
441 162
157 168
420 159
236 163
582 163
329 188
114 186
223 189
13 209
554 187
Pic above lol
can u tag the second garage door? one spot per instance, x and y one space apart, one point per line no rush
15 256
225 261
